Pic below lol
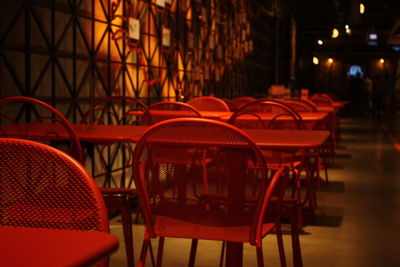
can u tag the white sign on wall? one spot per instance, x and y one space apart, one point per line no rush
134 29
166 37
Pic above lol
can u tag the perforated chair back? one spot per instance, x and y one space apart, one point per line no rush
209 103
266 114
299 106
177 200
28 114
310 105
45 188
240 101
170 110
321 100
232 105
117 110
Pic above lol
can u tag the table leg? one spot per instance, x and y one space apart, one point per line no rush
234 254
236 162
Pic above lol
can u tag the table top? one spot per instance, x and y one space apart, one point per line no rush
288 139
329 109
22 246
225 116
272 139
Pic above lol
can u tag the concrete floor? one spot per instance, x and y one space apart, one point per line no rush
357 222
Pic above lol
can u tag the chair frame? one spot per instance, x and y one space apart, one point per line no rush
99 107
298 120
298 104
220 105
255 234
74 168
243 100
185 106
75 143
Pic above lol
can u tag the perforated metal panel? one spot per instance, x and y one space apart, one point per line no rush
42 187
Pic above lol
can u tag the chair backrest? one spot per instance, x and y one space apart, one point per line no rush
44 187
232 105
300 105
240 101
311 105
321 100
232 190
177 110
266 114
29 113
117 110
209 103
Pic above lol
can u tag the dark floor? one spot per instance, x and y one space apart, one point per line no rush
358 219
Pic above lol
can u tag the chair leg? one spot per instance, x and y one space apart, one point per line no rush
221 260
295 226
128 236
260 258
160 251
143 253
153 262
193 250
280 244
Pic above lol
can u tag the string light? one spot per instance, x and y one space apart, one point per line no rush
335 33
320 42
315 60
381 60
330 60
362 8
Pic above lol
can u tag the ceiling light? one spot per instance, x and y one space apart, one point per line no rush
315 60
320 42
335 33
381 60
362 8
330 60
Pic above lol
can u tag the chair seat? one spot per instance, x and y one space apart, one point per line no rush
172 227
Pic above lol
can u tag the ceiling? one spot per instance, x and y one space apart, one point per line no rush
316 19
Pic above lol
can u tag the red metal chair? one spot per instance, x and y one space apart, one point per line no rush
240 101
209 103
176 110
321 100
304 105
115 160
266 114
228 205
232 105
115 110
42 187
33 111
311 105
273 114
300 105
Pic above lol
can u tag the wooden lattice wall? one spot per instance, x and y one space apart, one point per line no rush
72 52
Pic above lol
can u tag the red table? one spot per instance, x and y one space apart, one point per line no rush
266 139
309 118
22 246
